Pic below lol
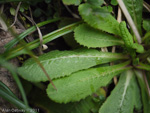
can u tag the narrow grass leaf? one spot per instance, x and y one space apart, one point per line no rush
21 49
9 45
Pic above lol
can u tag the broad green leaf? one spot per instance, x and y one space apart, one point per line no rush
135 8
124 97
62 63
72 2
83 106
90 37
145 97
146 25
79 85
95 2
99 18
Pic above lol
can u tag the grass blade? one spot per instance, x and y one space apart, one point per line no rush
6 89
15 101
9 45
47 38
10 67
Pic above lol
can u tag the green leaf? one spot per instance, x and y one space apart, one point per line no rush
146 25
69 38
145 97
96 2
90 37
124 97
72 2
143 66
146 38
48 1
99 18
37 12
62 63
12 11
126 36
79 85
21 9
128 40
83 106
114 2
135 8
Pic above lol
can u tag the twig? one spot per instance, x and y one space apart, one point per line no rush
146 5
119 18
104 49
73 14
41 66
112 63
39 32
2 9
43 69
130 21
16 14
2 22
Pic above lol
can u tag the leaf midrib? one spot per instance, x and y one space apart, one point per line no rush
112 40
129 76
92 77
76 56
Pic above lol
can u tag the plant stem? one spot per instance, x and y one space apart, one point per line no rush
43 69
119 18
146 82
16 14
130 21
